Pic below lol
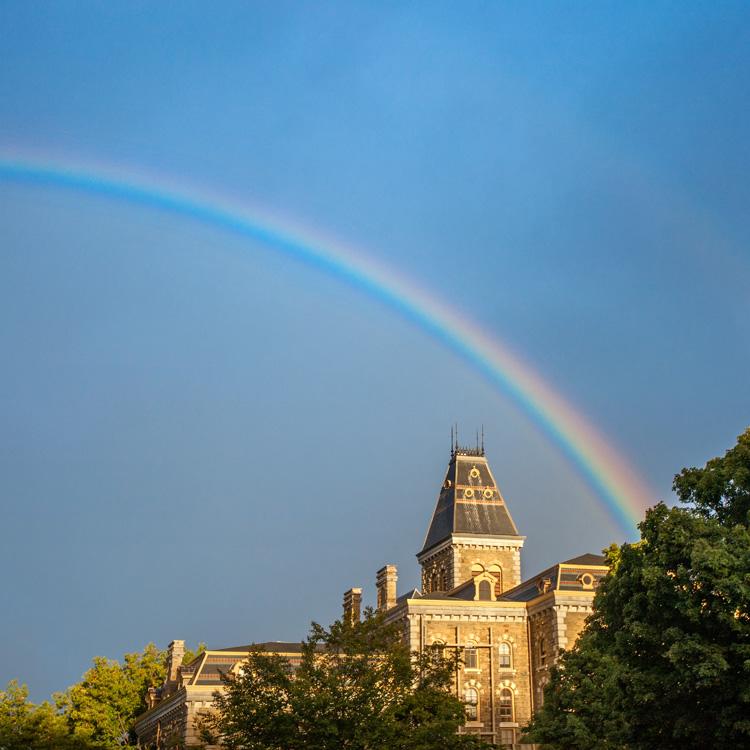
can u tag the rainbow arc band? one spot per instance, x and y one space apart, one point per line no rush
614 481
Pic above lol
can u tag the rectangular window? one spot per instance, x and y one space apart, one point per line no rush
471 658
507 737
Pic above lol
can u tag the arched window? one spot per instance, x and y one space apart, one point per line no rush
497 573
506 704
505 656
485 591
435 583
471 658
542 651
444 580
476 569
471 699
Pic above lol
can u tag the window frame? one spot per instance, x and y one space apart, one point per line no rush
505 653
472 707
506 708
474 651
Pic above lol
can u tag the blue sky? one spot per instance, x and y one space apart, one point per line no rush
201 439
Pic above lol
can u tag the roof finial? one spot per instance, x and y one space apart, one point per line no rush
452 443
483 439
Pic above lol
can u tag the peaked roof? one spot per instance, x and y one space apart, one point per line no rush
470 502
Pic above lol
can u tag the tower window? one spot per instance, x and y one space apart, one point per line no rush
497 573
542 651
505 656
485 591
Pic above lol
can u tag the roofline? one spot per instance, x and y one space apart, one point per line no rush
464 535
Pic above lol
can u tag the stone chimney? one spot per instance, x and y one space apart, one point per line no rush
352 605
175 652
152 697
386 584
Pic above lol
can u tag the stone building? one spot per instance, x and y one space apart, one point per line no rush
472 598
188 692
509 631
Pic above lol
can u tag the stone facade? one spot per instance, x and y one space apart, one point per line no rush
508 631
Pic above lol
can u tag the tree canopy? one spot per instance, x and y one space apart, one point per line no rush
28 726
357 687
102 707
664 660
96 713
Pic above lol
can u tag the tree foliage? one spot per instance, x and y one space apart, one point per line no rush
28 726
721 489
664 660
357 687
103 706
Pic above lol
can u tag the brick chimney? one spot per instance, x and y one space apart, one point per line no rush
352 605
386 585
175 652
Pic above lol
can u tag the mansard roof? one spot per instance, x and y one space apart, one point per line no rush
564 576
470 502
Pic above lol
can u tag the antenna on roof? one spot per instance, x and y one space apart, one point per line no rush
482 439
456 436
477 442
452 443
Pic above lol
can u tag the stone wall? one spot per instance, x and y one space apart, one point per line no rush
452 565
482 670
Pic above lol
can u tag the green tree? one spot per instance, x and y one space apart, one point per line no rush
664 660
103 706
27 726
721 489
357 688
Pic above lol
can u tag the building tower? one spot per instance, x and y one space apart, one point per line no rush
471 534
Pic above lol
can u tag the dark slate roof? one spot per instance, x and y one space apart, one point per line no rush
411 594
587 559
469 502
277 646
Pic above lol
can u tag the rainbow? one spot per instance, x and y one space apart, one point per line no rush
621 490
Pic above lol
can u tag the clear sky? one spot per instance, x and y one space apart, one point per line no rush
202 439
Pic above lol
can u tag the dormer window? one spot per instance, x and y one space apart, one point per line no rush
484 588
